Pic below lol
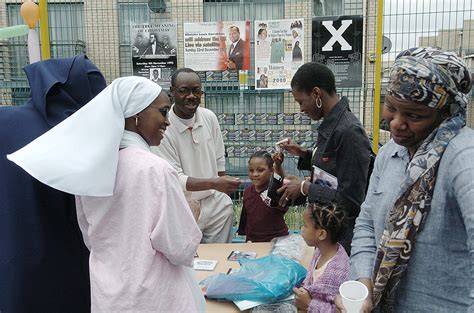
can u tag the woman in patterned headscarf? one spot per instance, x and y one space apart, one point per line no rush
413 238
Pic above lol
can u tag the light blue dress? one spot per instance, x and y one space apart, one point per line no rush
440 272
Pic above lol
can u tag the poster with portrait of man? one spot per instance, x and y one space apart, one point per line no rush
337 43
155 75
154 51
279 47
217 46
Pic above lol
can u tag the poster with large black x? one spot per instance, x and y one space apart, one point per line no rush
337 43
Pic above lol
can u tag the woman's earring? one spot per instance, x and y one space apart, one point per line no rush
320 103
136 120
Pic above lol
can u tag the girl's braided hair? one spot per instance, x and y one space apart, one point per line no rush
329 217
264 155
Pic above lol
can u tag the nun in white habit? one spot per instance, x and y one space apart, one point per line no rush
131 210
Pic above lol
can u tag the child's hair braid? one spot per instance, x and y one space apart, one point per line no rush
264 155
330 217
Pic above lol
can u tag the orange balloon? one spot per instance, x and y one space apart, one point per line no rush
29 11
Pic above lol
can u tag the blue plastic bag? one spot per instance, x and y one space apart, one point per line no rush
267 279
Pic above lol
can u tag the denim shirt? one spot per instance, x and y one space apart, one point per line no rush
343 150
440 273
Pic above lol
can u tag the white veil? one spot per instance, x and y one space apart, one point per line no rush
80 155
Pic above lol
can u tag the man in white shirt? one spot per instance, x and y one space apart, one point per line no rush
193 145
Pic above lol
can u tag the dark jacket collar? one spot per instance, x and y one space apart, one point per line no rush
330 122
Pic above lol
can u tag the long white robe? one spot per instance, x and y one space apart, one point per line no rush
142 239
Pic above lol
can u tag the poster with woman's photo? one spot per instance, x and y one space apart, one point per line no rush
279 52
154 51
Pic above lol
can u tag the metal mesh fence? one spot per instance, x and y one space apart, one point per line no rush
447 24
101 29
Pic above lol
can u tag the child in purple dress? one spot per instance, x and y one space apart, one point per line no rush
323 226
260 221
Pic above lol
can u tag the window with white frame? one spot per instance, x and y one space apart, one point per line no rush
67 29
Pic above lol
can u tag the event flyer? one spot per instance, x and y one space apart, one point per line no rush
279 52
154 51
217 46
337 43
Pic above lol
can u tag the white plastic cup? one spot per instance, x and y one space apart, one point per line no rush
353 295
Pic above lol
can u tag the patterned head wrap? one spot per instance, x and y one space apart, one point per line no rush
437 79
433 77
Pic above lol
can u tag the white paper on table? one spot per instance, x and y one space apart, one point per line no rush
247 304
204 265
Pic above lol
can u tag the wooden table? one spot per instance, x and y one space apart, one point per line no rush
220 252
